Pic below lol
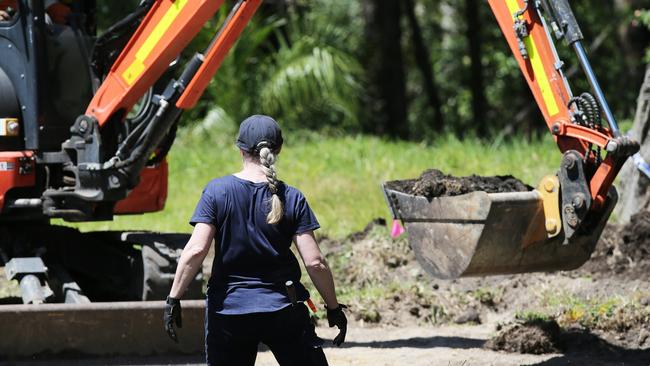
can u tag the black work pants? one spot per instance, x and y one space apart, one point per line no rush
232 340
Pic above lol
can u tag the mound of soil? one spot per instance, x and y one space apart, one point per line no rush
623 251
534 337
434 183
635 245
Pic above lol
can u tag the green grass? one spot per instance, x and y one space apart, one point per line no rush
531 316
618 313
340 176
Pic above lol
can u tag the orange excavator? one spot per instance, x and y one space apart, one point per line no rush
86 122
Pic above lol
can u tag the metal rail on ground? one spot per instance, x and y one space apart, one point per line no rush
96 329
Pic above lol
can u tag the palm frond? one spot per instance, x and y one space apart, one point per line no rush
308 77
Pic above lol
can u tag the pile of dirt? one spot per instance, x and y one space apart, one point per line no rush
434 183
535 337
623 251
635 245
370 256
392 287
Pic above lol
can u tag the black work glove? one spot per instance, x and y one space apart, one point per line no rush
337 317
172 314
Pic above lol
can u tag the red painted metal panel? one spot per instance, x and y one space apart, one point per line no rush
11 176
150 195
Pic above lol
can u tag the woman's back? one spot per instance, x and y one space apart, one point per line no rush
254 259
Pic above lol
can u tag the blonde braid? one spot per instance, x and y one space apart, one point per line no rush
267 159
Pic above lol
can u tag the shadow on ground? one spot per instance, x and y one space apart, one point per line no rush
584 348
418 342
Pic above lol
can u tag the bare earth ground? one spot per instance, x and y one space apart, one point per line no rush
417 346
376 346
413 346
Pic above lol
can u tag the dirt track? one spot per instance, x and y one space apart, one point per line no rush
453 346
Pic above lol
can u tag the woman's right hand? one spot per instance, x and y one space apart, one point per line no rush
336 317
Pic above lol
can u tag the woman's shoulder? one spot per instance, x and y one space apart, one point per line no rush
220 183
291 191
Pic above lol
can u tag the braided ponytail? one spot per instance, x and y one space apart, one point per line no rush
267 160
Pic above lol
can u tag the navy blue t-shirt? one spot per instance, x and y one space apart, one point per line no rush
253 259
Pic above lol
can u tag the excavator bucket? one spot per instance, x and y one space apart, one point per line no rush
480 234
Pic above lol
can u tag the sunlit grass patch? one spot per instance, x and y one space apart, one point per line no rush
341 176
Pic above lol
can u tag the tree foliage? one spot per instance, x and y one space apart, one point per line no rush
307 63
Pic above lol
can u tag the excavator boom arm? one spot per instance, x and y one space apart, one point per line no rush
107 167
528 34
164 33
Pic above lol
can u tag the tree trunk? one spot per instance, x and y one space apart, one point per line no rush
387 90
635 185
423 61
632 38
476 73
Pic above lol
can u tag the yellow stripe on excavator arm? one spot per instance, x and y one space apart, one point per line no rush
137 67
538 66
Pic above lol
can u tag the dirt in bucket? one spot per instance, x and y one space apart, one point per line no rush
534 337
434 183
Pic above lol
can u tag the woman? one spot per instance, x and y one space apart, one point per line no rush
253 218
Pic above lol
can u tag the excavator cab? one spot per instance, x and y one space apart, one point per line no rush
45 74
557 225
50 71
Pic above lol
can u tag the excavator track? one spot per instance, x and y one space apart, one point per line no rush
79 267
104 291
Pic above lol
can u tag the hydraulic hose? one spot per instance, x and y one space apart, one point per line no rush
142 148
159 125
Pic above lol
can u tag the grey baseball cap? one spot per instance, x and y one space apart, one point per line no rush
259 129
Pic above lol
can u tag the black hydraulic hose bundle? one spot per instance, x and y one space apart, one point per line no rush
147 136
588 114
146 139
587 104
110 43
